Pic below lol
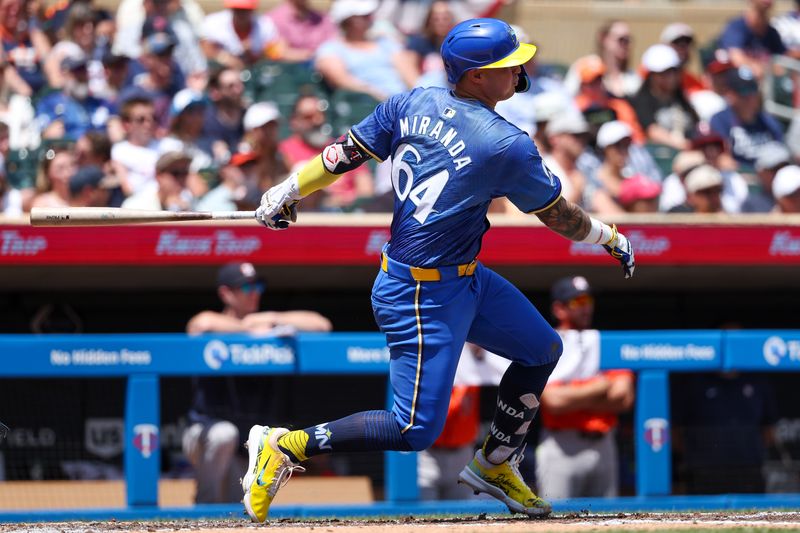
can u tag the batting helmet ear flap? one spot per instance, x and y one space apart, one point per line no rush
524 82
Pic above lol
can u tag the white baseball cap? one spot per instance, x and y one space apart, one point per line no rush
259 114
342 10
567 122
786 182
675 31
612 132
547 105
184 99
701 178
660 57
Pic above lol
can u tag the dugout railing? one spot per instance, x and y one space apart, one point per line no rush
144 359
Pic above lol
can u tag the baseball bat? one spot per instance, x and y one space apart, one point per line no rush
113 216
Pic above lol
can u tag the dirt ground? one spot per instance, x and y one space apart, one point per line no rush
463 524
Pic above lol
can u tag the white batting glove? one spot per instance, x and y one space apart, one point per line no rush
279 204
620 249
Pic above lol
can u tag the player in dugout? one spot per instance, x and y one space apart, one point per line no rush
451 155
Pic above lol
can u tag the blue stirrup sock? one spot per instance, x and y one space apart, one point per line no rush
360 432
517 404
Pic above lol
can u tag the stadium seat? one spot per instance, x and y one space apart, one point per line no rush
348 108
21 168
663 156
281 82
556 71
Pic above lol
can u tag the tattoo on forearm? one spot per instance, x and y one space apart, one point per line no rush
567 219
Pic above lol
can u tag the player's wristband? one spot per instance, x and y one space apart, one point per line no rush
599 233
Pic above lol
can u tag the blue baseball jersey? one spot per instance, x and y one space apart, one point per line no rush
450 157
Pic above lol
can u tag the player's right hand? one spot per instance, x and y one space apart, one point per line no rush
279 205
620 249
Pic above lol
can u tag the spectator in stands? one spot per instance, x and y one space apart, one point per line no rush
135 157
310 134
661 104
89 187
639 194
566 135
238 181
79 41
225 111
521 108
680 37
577 454
422 48
788 27
786 189
408 16
161 79
771 158
703 186
237 37
261 123
620 159
673 193
52 183
710 101
10 198
225 408
24 47
301 29
72 111
743 124
359 63
544 107
614 50
750 39
137 20
93 148
115 76
186 131
172 193
593 94
16 113
714 149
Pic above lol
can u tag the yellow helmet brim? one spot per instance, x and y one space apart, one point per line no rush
520 56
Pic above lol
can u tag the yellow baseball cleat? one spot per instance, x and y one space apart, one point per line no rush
268 470
505 483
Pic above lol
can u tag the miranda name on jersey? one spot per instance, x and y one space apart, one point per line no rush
419 125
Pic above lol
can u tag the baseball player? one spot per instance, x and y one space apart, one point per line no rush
451 155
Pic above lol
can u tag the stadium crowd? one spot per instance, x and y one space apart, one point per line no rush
161 106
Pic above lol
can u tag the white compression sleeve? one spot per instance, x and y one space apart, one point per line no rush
599 233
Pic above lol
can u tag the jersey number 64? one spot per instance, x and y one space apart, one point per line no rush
425 194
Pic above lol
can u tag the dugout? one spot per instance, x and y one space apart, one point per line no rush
697 273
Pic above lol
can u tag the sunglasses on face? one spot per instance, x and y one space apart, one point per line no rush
581 301
624 39
683 41
141 119
178 172
249 288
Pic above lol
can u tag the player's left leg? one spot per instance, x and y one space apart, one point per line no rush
509 325
425 325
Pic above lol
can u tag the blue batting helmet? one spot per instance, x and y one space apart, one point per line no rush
485 43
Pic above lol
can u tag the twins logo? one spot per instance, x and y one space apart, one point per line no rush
656 433
323 436
145 439
215 353
774 350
